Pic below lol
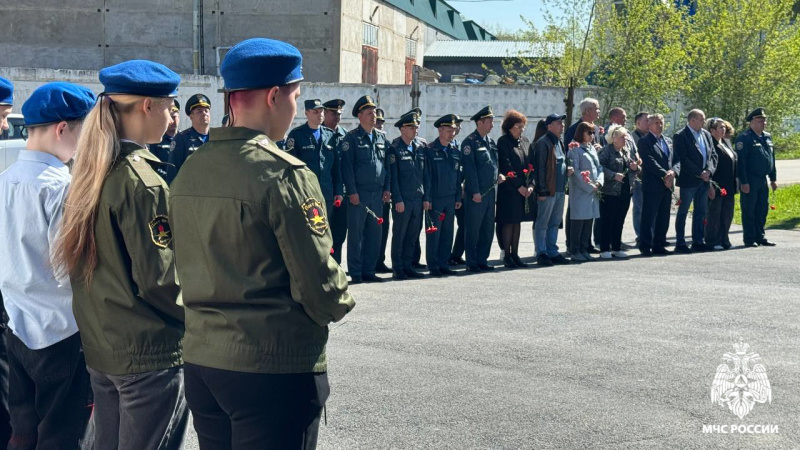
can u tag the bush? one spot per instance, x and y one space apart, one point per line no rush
787 147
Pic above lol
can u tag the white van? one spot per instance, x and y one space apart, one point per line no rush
12 140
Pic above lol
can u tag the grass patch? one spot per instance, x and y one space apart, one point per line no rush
788 154
786 215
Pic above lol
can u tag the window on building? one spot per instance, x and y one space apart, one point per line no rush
411 49
370 35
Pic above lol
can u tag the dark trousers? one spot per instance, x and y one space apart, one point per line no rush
568 226
581 237
143 411
50 398
697 196
613 211
365 234
405 232
755 207
479 232
437 245
243 411
5 418
339 229
387 213
458 242
720 216
655 219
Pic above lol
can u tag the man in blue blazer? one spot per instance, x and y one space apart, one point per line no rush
697 162
658 181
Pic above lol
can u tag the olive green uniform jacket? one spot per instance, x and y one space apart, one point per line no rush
253 252
129 312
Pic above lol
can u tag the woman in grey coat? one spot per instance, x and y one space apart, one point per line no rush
584 198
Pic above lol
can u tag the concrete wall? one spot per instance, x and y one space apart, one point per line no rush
435 101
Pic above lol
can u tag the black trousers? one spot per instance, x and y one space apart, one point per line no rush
5 418
339 229
458 242
244 411
50 397
568 227
655 219
613 210
387 213
581 237
720 216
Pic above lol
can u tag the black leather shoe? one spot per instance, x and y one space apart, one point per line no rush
436 273
594 250
544 261
669 244
518 261
727 246
750 245
766 243
399 276
448 272
382 268
413 274
418 266
485 267
624 246
456 261
473 269
662 252
356 280
509 263
700 248
372 279
681 249
645 251
559 260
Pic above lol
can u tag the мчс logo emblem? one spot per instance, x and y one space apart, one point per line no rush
741 387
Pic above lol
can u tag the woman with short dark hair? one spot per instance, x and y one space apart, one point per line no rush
512 151
586 180
721 204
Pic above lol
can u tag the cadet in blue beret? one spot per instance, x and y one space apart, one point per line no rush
756 163
407 164
198 108
6 102
366 179
50 411
333 116
479 162
252 236
315 145
442 193
163 149
120 261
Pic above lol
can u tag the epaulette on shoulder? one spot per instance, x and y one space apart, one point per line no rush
144 171
354 131
273 149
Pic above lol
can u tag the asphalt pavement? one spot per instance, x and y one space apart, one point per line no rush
605 354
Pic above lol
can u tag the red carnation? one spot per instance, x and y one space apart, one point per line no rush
442 216
525 171
585 175
705 222
678 203
380 220
723 192
773 207
511 175
431 229
337 203
331 250
530 167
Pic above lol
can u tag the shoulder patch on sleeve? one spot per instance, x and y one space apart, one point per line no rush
270 147
739 145
467 150
315 216
345 146
144 171
160 232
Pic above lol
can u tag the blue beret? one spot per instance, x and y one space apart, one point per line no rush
140 77
57 102
6 92
261 63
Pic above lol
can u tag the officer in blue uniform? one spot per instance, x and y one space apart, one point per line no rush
338 216
366 180
6 102
381 267
479 163
456 256
315 145
198 108
163 149
407 164
756 162
442 193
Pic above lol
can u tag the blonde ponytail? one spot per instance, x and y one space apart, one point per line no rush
98 148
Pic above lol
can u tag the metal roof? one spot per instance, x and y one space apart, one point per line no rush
440 15
489 50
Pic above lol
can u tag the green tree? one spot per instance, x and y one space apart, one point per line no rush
642 61
744 54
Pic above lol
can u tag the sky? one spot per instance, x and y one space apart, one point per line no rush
504 13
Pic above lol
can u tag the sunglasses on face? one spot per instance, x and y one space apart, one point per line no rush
590 133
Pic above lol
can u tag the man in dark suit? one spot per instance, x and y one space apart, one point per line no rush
697 162
657 184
